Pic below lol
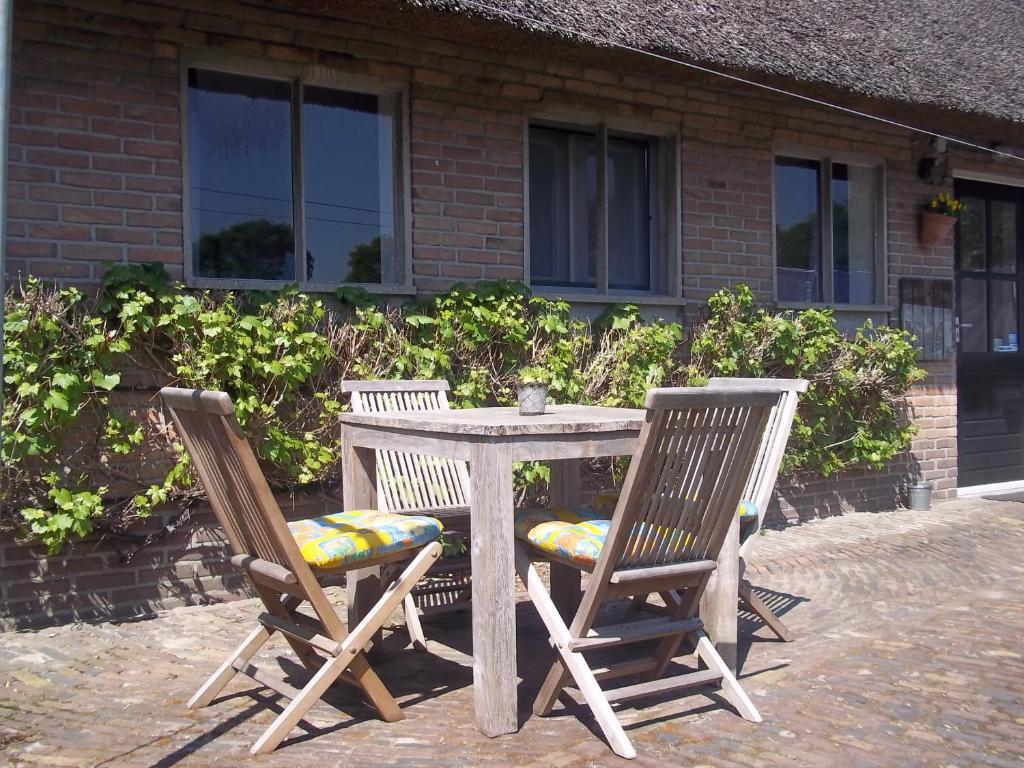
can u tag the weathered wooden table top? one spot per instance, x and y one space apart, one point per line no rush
506 422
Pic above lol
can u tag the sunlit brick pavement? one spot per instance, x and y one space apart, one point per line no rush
910 652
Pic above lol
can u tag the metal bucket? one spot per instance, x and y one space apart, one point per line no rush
920 496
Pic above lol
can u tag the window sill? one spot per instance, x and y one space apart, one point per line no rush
641 299
276 285
860 308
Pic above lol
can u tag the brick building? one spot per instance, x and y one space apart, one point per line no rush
408 146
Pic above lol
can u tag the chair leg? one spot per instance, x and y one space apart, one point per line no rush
767 615
215 683
298 706
413 625
551 689
732 691
351 657
382 700
573 662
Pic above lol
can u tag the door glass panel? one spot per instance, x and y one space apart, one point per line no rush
853 233
348 145
240 175
1003 257
972 235
973 315
1003 296
798 229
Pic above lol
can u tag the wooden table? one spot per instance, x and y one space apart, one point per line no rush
490 439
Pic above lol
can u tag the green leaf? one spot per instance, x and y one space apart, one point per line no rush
105 381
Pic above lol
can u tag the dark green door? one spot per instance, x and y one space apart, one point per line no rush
990 363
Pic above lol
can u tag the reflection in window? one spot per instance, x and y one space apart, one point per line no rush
240 171
972 235
803 216
973 315
853 233
242 181
1003 257
350 226
565 250
629 215
798 229
563 208
1003 336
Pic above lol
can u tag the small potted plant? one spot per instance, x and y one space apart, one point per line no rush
532 390
938 218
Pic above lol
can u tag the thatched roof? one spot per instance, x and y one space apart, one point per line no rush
965 55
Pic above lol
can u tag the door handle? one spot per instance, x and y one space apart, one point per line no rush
957 325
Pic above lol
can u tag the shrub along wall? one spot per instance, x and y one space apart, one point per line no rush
88 460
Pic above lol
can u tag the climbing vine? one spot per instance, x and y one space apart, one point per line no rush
86 449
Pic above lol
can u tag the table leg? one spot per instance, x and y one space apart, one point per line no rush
494 607
719 606
359 490
564 490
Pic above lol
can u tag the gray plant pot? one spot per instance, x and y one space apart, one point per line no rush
919 496
532 398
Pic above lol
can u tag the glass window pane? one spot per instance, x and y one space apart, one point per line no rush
854 207
563 208
972 235
1003 295
348 175
629 218
798 229
973 315
1003 257
240 176
549 207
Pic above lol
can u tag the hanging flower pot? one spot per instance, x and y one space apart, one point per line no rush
938 218
935 227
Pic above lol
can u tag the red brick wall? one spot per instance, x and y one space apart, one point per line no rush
95 159
467 191
119 578
96 178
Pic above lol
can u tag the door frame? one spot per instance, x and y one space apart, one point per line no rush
990 187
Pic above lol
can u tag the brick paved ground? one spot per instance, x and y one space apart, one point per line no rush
910 653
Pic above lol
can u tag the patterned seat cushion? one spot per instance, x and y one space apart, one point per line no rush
578 534
343 538
579 541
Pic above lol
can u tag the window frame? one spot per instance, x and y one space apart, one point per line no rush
302 75
827 158
665 181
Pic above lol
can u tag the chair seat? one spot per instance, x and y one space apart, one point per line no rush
578 534
343 538
569 534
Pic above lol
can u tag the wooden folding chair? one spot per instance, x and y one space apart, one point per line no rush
265 547
684 483
761 484
410 483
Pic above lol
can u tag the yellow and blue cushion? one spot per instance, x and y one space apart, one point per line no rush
344 538
578 534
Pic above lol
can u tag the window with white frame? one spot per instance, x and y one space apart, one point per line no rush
292 182
828 231
599 210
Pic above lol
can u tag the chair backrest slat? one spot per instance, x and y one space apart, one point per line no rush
238 491
411 482
686 478
760 485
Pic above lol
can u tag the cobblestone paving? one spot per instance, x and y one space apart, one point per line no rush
910 652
